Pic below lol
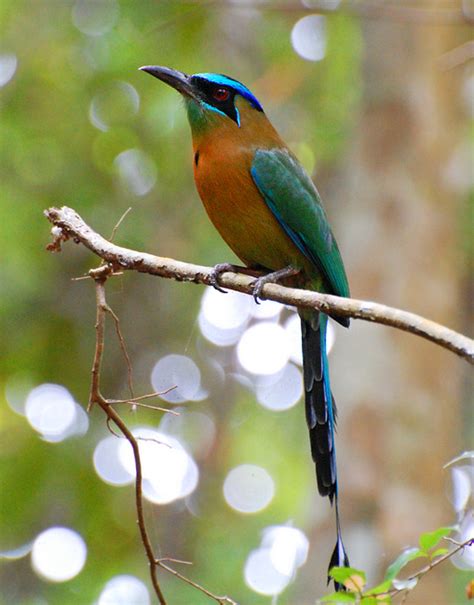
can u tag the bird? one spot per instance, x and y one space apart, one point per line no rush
268 210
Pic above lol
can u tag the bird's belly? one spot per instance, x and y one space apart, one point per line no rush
243 219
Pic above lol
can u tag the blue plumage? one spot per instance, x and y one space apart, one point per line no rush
242 90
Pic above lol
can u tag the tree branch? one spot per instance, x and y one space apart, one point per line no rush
69 225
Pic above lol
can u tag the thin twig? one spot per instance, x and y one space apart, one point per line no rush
172 560
124 351
108 422
119 222
68 224
453 541
224 600
138 498
96 397
143 397
426 569
432 564
141 405
100 276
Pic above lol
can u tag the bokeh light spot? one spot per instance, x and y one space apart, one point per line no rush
293 330
8 65
330 336
16 553
266 309
58 554
176 371
124 590
223 318
220 337
137 171
261 576
284 392
107 463
463 486
229 311
95 18
114 105
51 410
263 348
288 548
195 429
248 488
169 472
308 37
464 559
270 568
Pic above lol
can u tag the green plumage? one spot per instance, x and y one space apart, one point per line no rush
295 202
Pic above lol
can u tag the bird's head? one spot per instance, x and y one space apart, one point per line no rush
211 99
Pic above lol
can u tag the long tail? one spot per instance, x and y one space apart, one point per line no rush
321 418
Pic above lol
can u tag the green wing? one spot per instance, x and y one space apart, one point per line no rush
294 200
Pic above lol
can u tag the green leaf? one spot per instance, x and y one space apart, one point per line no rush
380 588
341 574
431 538
340 597
406 556
439 551
369 601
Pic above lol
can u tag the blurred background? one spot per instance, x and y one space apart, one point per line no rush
375 98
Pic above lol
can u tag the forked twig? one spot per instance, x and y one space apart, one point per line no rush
100 276
432 564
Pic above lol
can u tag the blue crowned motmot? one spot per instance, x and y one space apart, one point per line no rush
269 212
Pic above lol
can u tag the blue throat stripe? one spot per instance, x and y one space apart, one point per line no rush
242 90
212 108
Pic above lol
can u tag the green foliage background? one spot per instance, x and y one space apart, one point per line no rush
51 154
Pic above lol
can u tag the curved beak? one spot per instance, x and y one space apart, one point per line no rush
174 78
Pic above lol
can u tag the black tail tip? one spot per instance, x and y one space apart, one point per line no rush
339 558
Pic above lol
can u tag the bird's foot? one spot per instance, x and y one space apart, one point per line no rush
218 270
271 278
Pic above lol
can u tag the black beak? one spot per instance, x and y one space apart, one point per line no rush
172 77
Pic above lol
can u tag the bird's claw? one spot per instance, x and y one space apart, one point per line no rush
217 272
271 278
257 288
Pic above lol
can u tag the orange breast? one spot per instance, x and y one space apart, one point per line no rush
233 202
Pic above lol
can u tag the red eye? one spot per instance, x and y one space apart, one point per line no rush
221 94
